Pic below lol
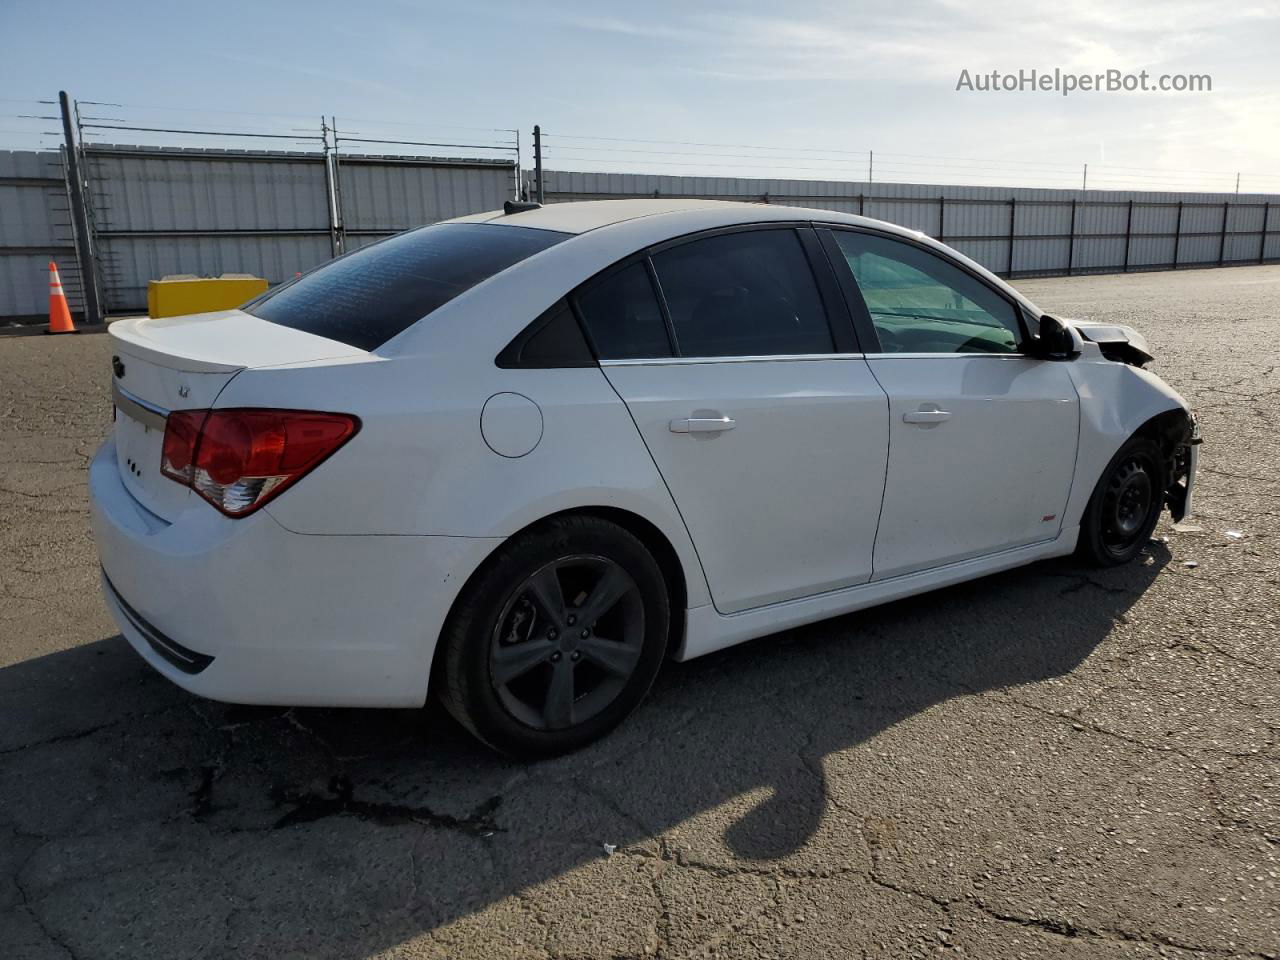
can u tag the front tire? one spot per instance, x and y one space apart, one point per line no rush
557 639
1125 505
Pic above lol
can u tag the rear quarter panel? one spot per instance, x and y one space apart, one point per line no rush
420 464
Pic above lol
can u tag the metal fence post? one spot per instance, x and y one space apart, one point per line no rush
331 194
860 204
942 217
1262 243
1222 237
537 164
339 216
80 218
1071 239
1177 236
1013 219
1128 235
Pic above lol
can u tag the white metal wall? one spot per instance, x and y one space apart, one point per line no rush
159 210
1017 231
385 196
34 229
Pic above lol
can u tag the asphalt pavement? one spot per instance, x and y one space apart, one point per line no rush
1056 762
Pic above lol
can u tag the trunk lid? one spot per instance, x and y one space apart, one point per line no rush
182 363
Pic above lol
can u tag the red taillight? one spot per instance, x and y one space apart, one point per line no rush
240 459
181 429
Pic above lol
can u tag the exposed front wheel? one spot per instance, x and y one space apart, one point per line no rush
1125 505
557 639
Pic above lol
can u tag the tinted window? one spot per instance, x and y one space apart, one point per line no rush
553 340
623 317
920 303
367 297
743 294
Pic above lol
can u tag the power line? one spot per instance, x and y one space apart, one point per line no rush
692 153
689 143
934 160
206 133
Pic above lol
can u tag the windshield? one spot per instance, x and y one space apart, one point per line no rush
367 297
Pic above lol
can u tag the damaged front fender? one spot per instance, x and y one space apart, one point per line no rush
1117 401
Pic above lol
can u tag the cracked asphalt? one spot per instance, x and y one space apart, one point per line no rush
1055 762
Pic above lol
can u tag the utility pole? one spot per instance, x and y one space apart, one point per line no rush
1084 183
871 164
1237 183
80 218
537 163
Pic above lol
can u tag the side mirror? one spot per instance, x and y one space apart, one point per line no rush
1055 341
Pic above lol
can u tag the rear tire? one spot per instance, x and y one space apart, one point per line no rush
1125 505
557 638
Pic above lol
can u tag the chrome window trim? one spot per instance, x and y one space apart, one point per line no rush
138 409
681 361
935 356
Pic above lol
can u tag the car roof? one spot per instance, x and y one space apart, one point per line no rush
586 215
649 221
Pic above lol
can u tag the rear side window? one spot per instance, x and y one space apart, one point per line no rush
553 340
743 294
623 317
367 297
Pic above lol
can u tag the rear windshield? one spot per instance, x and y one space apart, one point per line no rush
367 297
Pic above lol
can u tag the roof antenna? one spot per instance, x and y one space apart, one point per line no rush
519 206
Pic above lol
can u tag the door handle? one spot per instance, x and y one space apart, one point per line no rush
926 416
703 425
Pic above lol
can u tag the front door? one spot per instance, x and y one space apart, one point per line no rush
982 438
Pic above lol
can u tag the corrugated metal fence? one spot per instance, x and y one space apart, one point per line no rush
1013 231
157 211
35 227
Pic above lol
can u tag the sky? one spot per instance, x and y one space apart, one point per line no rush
801 89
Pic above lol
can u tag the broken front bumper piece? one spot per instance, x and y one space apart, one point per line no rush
1185 459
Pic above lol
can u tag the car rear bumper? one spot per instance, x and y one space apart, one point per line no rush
248 612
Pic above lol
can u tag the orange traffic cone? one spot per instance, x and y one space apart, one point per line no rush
59 312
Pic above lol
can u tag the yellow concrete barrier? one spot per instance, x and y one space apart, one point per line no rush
176 296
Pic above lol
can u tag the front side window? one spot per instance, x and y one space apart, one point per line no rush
920 303
743 294
367 297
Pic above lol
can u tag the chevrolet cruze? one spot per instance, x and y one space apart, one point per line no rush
521 458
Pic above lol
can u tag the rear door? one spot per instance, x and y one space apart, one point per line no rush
746 385
982 437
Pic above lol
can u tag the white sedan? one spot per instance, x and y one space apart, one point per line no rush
521 458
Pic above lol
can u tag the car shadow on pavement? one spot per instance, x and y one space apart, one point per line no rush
163 818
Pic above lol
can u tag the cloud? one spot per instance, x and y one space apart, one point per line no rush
923 40
331 76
